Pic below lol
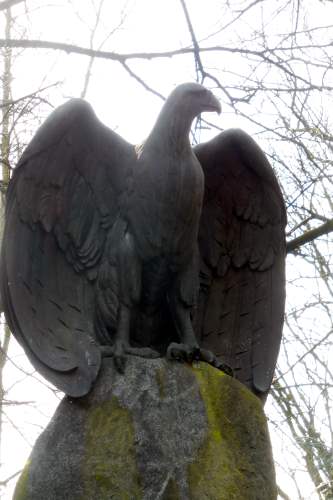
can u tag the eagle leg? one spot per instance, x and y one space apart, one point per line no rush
121 347
130 277
121 343
188 350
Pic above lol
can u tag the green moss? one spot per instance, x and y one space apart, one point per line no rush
110 469
235 461
20 492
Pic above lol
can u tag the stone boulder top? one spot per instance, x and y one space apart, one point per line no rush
163 430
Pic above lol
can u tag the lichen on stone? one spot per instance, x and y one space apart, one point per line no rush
235 460
161 430
110 463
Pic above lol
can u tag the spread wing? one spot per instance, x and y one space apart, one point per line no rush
62 202
242 247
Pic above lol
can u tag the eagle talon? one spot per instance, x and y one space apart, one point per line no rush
127 350
196 354
143 352
107 351
178 352
119 357
184 352
226 369
120 362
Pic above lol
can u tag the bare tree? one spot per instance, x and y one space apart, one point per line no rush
271 64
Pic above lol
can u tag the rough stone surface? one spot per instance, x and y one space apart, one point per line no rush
163 430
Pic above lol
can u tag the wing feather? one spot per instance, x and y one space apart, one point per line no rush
242 246
62 202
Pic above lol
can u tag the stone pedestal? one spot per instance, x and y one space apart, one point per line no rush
163 430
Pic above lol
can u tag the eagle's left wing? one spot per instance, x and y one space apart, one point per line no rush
242 247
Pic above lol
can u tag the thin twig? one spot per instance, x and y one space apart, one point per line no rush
6 4
6 481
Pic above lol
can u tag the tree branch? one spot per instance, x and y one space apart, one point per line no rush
282 494
113 56
5 481
196 48
6 4
309 236
142 82
263 55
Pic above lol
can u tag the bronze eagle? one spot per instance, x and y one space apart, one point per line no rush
157 250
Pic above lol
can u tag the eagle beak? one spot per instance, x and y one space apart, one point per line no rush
213 104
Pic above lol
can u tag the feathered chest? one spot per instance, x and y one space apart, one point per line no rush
165 198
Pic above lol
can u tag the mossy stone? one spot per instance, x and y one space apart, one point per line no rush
107 464
162 430
235 461
110 463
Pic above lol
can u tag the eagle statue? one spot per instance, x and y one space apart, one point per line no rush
159 250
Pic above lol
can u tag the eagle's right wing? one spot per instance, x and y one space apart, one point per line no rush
62 202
